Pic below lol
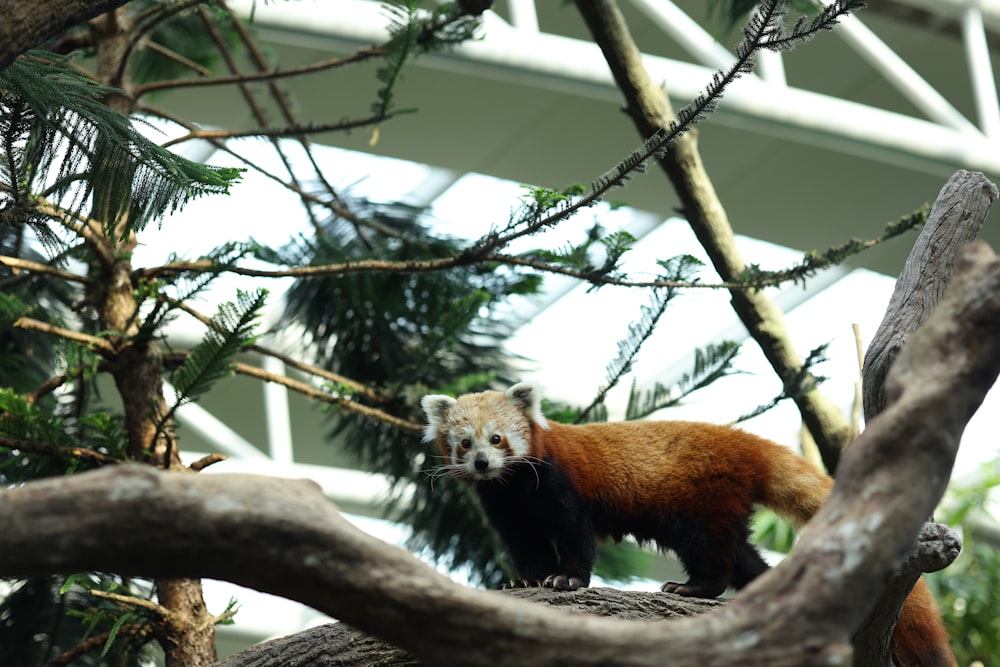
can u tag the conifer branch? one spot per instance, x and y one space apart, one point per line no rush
763 30
753 279
756 278
628 348
210 360
77 141
801 383
336 378
710 364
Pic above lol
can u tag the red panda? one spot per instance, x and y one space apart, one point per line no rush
551 490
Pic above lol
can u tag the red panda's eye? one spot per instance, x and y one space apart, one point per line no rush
495 439
466 443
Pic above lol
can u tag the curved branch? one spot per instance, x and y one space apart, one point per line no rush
957 217
285 538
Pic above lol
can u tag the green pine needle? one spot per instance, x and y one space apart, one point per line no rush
71 145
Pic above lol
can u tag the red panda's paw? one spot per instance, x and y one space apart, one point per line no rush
520 583
695 589
563 582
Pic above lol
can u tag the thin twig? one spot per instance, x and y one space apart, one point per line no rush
270 75
343 403
355 386
141 630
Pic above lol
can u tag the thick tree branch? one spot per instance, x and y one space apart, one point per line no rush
648 106
28 23
285 538
956 218
340 645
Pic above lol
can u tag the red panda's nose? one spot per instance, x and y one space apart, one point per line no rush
481 463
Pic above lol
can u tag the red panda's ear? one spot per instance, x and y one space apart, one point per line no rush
436 408
526 397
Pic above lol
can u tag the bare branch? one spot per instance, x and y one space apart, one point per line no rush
322 396
279 132
361 55
91 342
957 217
45 269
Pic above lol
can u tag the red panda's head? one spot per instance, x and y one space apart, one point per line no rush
481 434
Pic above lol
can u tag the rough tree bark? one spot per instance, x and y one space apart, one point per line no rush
956 218
27 24
647 104
958 215
186 631
285 538
340 645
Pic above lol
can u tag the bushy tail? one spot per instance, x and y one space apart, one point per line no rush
796 491
795 488
920 638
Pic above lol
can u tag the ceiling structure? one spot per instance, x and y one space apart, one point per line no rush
829 142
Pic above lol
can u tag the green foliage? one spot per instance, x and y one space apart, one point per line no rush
211 360
967 589
622 562
816 261
680 269
804 381
772 532
63 141
45 444
28 358
711 363
107 615
406 334
413 31
42 618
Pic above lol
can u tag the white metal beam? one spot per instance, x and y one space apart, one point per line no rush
577 67
276 413
984 85
906 80
223 439
684 30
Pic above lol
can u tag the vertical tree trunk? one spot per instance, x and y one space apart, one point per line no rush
187 631
649 107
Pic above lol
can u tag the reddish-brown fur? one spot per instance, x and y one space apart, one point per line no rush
720 467
707 473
